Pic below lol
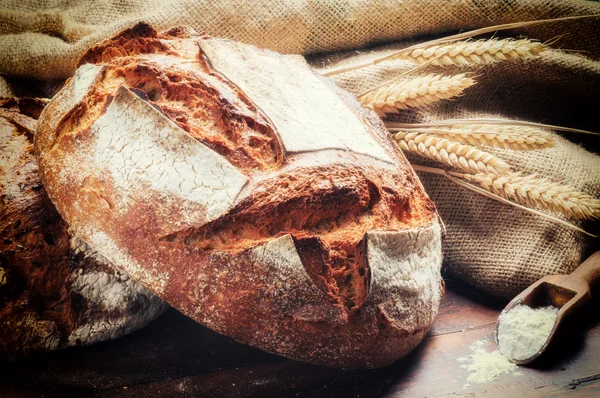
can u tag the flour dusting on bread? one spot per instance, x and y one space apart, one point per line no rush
142 150
292 96
116 295
405 264
83 79
103 248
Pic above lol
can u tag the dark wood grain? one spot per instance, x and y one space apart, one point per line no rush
174 356
172 346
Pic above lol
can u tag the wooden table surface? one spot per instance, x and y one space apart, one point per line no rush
175 356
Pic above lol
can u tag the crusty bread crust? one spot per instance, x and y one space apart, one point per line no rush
250 193
50 296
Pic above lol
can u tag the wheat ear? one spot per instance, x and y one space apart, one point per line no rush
474 52
420 91
501 136
488 194
452 38
532 191
464 157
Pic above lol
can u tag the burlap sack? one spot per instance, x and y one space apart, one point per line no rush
45 38
493 246
5 90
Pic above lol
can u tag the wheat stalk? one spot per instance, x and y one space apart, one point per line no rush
452 38
486 121
474 52
533 191
508 137
416 92
464 157
488 194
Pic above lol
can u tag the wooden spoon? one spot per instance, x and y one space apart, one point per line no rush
568 293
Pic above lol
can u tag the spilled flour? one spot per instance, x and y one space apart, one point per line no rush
484 366
523 331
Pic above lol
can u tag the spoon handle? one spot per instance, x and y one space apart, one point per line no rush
589 270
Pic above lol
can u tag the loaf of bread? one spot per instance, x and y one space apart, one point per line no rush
50 296
250 193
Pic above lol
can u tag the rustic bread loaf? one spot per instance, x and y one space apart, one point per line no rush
250 193
50 296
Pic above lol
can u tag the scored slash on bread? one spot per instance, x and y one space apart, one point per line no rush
250 193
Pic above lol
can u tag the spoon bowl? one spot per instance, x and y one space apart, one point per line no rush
568 293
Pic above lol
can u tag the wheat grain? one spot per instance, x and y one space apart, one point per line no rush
452 176
464 157
474 52
532 191
493 135
416 92
450 39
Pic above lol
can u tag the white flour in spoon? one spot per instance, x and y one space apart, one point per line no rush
523 331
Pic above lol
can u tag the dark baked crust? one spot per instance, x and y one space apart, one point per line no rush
299 257
41 306
33 246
